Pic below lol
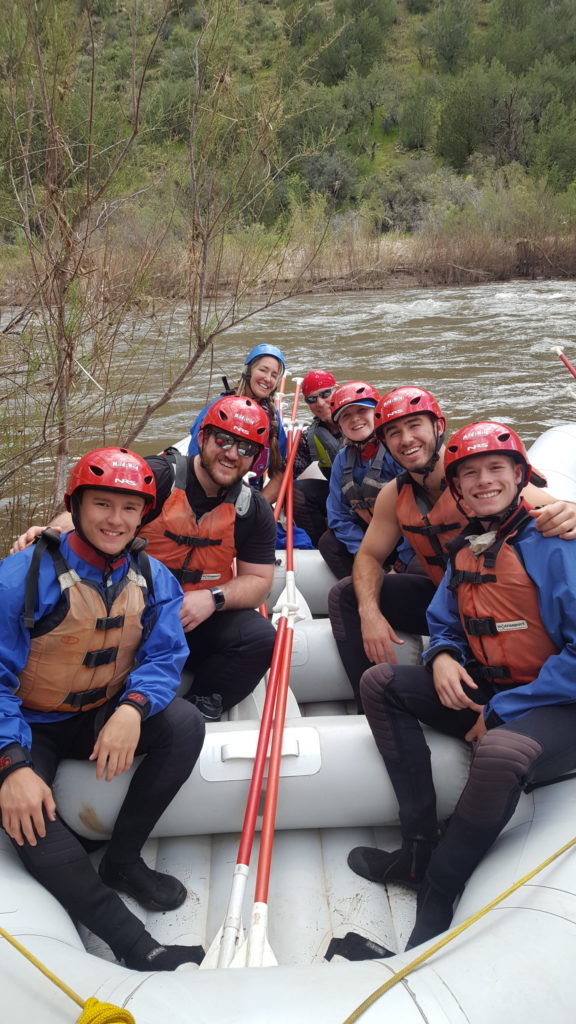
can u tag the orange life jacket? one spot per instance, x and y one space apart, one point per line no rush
498 607
199 552
428 527
82 652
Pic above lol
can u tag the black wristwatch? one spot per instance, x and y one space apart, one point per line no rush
219 598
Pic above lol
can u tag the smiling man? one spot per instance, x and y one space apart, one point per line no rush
320 442
367 610
205 518
500 673
91 649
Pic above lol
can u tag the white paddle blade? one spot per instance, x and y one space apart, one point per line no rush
231 933
213 952
256 951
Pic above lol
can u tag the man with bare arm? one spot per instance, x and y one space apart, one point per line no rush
367 608
500 673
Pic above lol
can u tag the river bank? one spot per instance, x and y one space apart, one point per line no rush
354 263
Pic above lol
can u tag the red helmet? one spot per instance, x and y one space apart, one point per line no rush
355 393
240 416
112 469
316 380
482 439
405 401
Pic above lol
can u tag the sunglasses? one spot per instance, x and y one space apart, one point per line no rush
226 441
312 399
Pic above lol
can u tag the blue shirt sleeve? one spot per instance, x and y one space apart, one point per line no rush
341 519
282 438
159 660
14 648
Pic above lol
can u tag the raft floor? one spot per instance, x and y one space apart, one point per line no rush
313 897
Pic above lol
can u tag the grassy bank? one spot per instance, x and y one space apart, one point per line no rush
348 258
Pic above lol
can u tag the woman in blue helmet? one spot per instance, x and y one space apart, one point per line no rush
261 374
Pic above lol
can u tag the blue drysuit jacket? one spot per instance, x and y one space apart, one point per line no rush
160 657
551 563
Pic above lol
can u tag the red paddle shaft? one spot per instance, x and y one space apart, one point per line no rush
569 366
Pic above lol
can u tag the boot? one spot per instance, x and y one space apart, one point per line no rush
407 865
434 912
455 858
149 955
151 889
209 705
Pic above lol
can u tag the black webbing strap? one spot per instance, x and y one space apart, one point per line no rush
488 673
48 540
94 659
187 575
191 542
480 627
113 622
83 697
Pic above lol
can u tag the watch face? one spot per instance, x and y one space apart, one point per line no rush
218 596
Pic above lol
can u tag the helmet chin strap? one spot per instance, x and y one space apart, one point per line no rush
368 442
201 452
434 458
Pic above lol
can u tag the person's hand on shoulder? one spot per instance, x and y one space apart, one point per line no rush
556 520
27 538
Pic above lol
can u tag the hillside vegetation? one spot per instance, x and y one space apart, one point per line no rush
216 157
448 122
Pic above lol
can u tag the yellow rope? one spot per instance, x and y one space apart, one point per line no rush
93 1011
404 971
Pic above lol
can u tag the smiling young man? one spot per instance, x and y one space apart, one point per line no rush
501 673
367 610
205 518
91 650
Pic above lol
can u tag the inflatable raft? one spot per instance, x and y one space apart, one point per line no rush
512 964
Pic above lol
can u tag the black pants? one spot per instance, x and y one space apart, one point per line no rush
335 554
229 654
310 498
537 747
171 741
404 598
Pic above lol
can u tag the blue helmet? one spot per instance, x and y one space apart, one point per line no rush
266 350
